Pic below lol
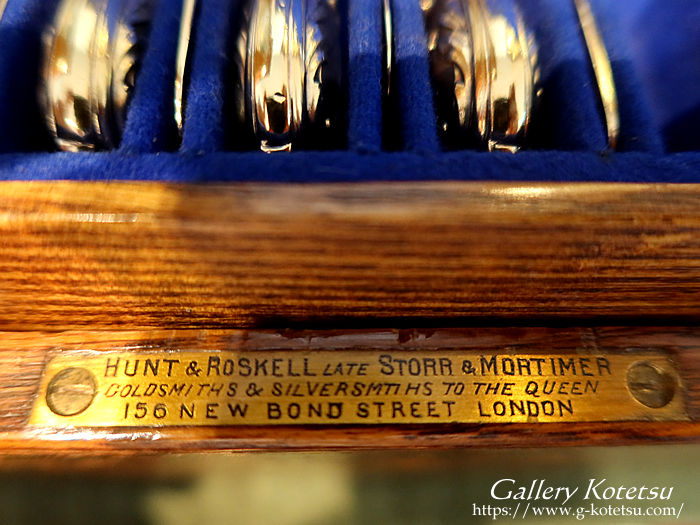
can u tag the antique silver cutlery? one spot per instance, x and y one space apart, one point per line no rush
181 65
602 70
289 75
92 59
483 67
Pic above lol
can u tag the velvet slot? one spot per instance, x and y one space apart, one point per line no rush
656 68
204 128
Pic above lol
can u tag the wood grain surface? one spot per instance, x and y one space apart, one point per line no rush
175 264
23 354
145 255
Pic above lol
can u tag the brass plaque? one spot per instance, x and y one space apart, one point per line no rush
201 388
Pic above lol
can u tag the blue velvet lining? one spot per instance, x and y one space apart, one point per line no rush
663 43
569 118
638 130
150 122
413 78
365 75
344 166
205 127
570 138
22 127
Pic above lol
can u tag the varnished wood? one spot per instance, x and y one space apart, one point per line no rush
150 256
140 255
22 355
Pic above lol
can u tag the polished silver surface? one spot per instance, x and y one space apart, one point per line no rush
3 5
602 69
483 67
289 74
511 75
451 51
183 51
388 27
92 57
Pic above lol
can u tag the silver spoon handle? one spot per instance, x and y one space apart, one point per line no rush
387 18
183 46
602 69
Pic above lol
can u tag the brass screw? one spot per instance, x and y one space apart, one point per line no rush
71 391
650 385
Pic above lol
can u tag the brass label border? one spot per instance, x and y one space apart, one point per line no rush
83 389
